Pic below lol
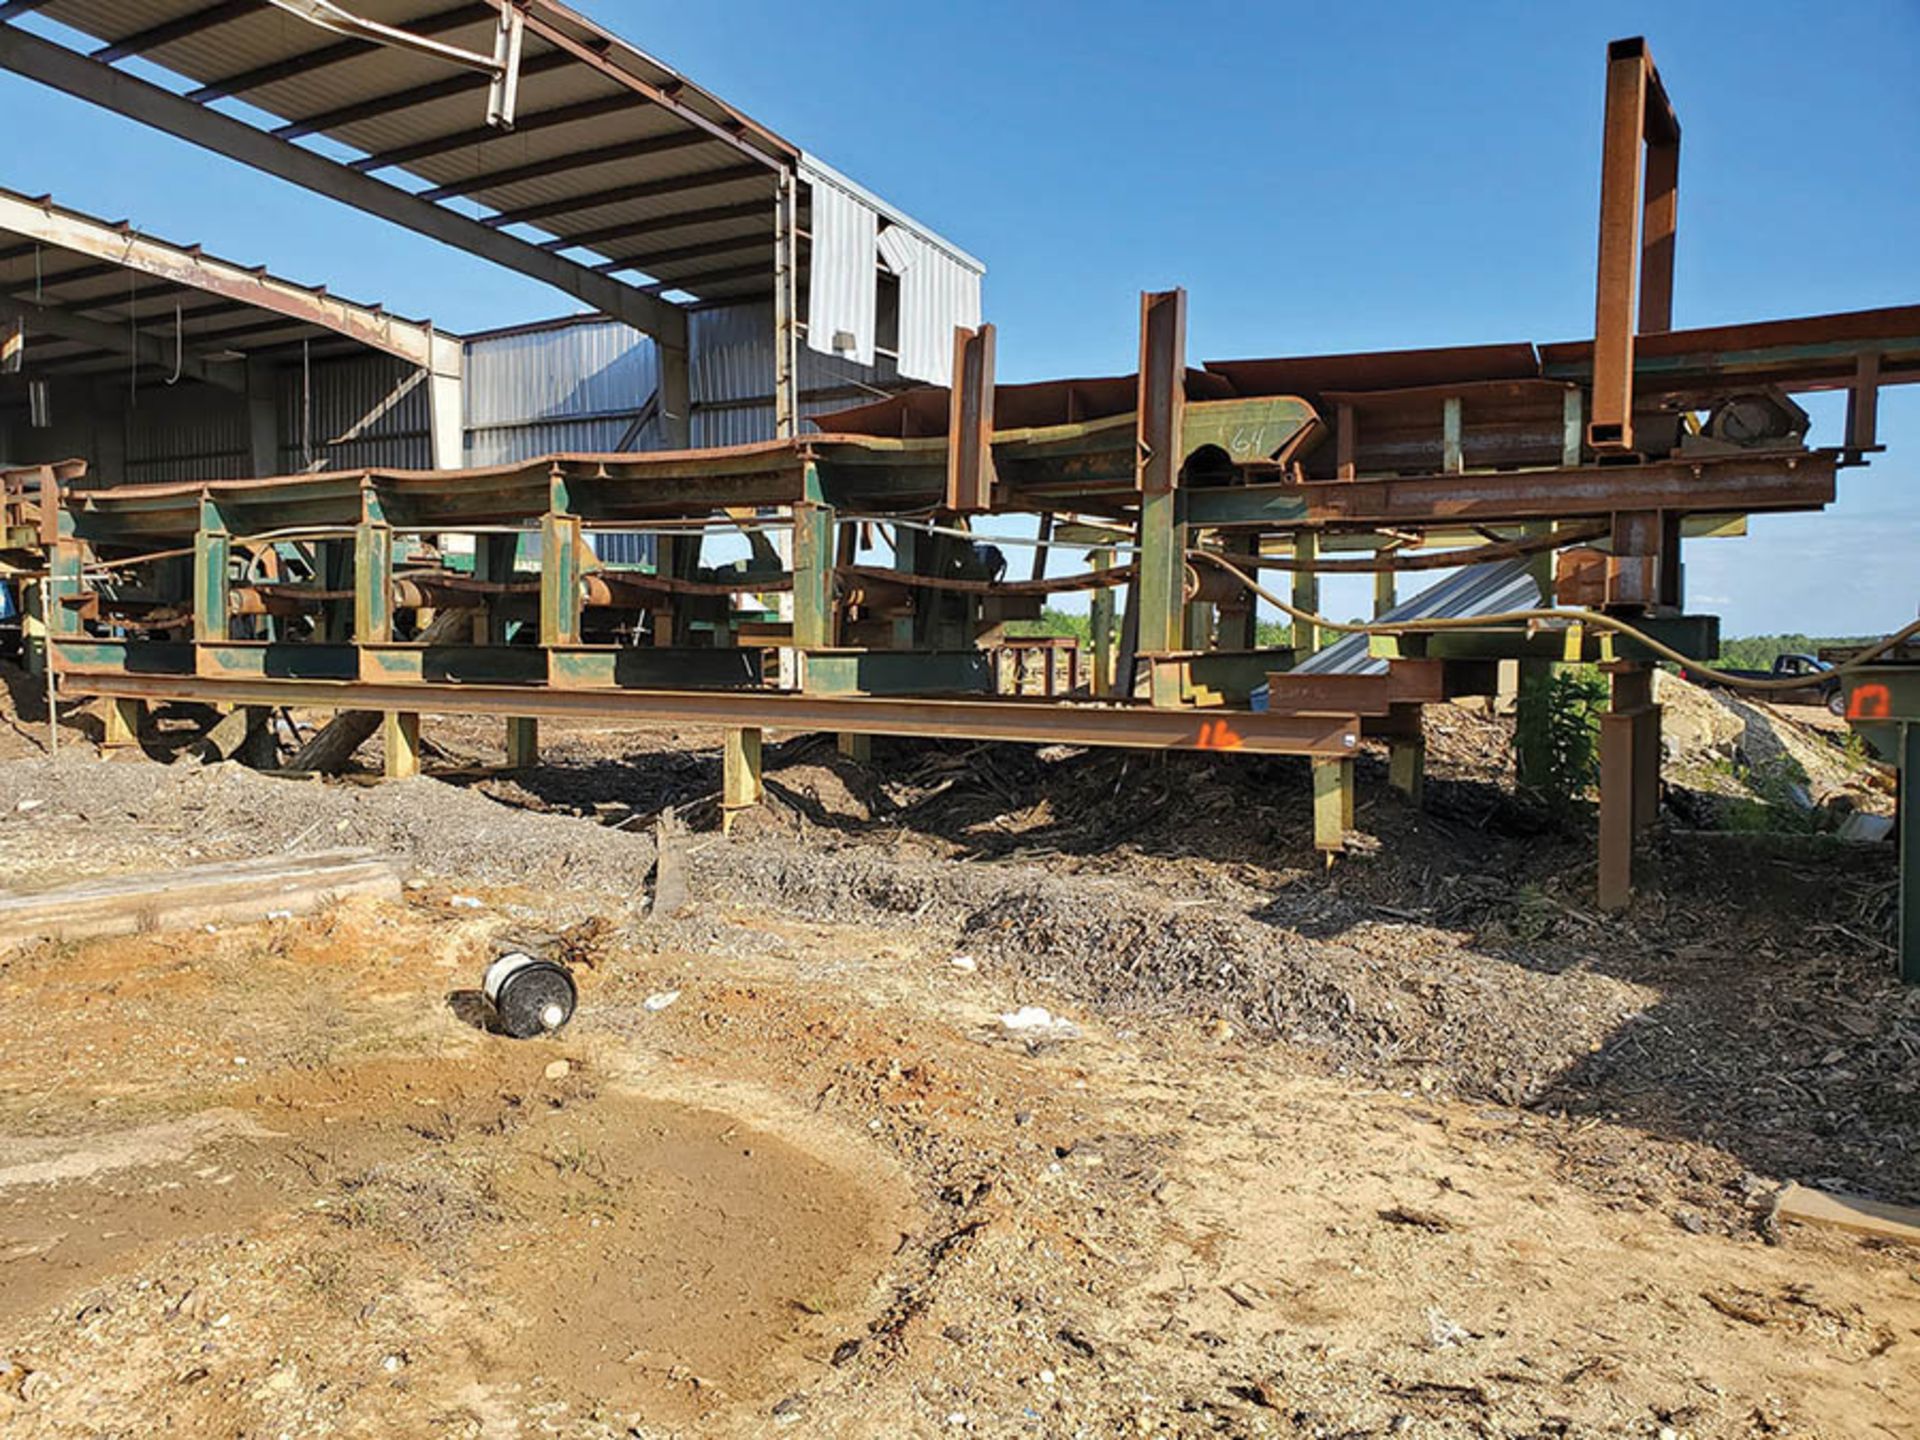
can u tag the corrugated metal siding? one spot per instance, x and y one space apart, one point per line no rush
192 433
344 393
732 380
574 387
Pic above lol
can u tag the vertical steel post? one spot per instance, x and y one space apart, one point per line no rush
212 552
813 560
124 720
1637 228
970 424
1909 841
1306 591
1407 765
1629 777
1100 613
400 735
560 543
1332 803
740 782
523 742
373 583
1159 440
786 307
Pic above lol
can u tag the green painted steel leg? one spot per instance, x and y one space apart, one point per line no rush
523 743
1385 592
1332 803
1306 592
1407 767
740 783
559 579
124 721
857 748
1162 582
1909 841
400 732
373 584
1101 616
1530 752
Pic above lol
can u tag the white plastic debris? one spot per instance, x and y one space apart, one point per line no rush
964 962
662 1000
465 902
1037 1018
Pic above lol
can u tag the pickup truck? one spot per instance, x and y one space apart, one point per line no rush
1822 685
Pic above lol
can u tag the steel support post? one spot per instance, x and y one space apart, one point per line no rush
970 425
523 742
786 308
1385 592
1407 766
676 397
1306 592
1909 841
1100 615
857 748
400 734
1629 777
1533 694
373 583
124 721
560 540
1332 804
494 560
1159 437
212 582
814 534
740 782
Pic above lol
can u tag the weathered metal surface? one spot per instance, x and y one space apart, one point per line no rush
970 423
1038 723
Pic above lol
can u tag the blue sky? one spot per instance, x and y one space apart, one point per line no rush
1320 178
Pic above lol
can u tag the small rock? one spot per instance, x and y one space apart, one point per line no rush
1690 1222
26 807
965 963
393 1363
557 1070
662 1000
465 902
791 1408
1220 1031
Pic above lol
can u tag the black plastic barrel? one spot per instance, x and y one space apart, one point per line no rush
529 996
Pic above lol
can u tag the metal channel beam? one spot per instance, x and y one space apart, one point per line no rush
1797 481
1128 727
56 66
117 339
1639 189
970 422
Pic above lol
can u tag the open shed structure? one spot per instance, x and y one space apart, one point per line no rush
526 135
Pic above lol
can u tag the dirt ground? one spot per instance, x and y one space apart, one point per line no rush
1417 1144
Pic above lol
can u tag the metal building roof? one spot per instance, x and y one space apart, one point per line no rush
89 295
617 178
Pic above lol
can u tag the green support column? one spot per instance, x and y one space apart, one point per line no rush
523 743
495 558
373 581
1407 766
124 720
400 732
1385 592
1162 580
559 579
857 748
1306 592
1101 618
1909 840
813 558
1332 803
740 783
1532 695
212 556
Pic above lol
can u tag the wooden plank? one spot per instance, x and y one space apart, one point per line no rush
1808 1206
234 891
